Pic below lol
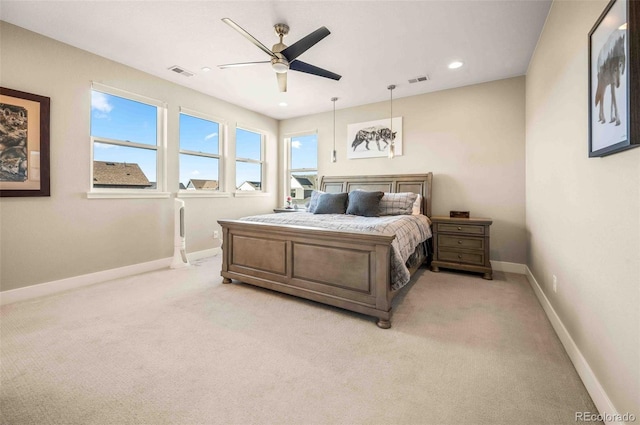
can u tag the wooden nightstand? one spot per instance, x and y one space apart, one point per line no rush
462 244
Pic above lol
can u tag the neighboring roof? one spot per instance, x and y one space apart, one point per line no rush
254 185
307 181
203 184
118 174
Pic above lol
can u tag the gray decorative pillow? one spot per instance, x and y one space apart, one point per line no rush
313 201
397 203
331 203
364 203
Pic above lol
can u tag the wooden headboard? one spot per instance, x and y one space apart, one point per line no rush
416 183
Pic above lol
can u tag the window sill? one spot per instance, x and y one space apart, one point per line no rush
249 193
201 194
118 194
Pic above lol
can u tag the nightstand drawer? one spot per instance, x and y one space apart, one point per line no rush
452 241
461 228
461 257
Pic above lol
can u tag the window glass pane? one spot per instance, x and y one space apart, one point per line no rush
302 184
198 172
198 135
123 119
123 167
248 176
248 144
304 151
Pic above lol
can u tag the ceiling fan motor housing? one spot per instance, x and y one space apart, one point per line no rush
280 64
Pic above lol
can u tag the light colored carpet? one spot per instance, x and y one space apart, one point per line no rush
179 347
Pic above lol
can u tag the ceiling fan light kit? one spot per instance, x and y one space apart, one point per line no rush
283 57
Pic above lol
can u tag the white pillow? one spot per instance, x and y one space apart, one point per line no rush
416 205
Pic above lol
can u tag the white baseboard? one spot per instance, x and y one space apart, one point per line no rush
49 288
503 266
598 395
193 256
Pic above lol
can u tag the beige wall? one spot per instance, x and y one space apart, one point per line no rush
65 235
471 138
583 215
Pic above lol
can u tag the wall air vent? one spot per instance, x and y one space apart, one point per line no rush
180 70
419 79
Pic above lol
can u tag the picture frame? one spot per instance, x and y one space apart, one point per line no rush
24 144
371 139
613 79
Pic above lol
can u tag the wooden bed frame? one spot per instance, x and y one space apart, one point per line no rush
351 270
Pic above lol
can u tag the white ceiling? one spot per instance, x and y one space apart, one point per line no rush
372 44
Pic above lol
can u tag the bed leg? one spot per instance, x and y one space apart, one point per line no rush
226 280
384 324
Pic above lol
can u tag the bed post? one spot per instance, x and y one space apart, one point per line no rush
382 284
225 254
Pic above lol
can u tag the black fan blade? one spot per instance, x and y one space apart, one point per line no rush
314 70
248 36
304 44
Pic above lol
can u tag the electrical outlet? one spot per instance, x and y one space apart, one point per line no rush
555 283
216 234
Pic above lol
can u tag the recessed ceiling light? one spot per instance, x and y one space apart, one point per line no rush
455 65
282 104
205 69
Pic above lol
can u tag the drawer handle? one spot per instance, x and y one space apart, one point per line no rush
459 228
459 242
459 255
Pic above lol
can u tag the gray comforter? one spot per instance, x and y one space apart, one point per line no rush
410 231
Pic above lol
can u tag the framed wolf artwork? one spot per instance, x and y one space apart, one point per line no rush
24 144
371 139
614 63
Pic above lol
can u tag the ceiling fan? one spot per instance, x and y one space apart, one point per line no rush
284 58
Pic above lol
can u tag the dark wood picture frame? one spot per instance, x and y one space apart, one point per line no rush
614 64
39 138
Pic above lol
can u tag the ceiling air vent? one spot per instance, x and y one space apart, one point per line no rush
419 79
179 70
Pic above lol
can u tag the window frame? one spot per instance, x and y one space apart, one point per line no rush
220 156
261 162
160 148
289 158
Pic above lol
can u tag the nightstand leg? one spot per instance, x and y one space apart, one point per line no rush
488 276
435 269
226 280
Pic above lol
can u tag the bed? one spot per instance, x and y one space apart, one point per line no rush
343 268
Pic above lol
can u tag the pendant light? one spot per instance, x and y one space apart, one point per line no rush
392 143
333 152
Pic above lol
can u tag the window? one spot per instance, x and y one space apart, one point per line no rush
249 160
126 136
303 167
199 153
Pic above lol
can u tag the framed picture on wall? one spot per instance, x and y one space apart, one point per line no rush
613 79
24 144
372 139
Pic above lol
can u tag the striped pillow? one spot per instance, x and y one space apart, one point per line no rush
397 203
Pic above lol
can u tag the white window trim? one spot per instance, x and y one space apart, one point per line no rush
288 158
221 156
160 148
263 165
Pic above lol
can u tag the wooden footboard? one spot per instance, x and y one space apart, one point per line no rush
342 269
